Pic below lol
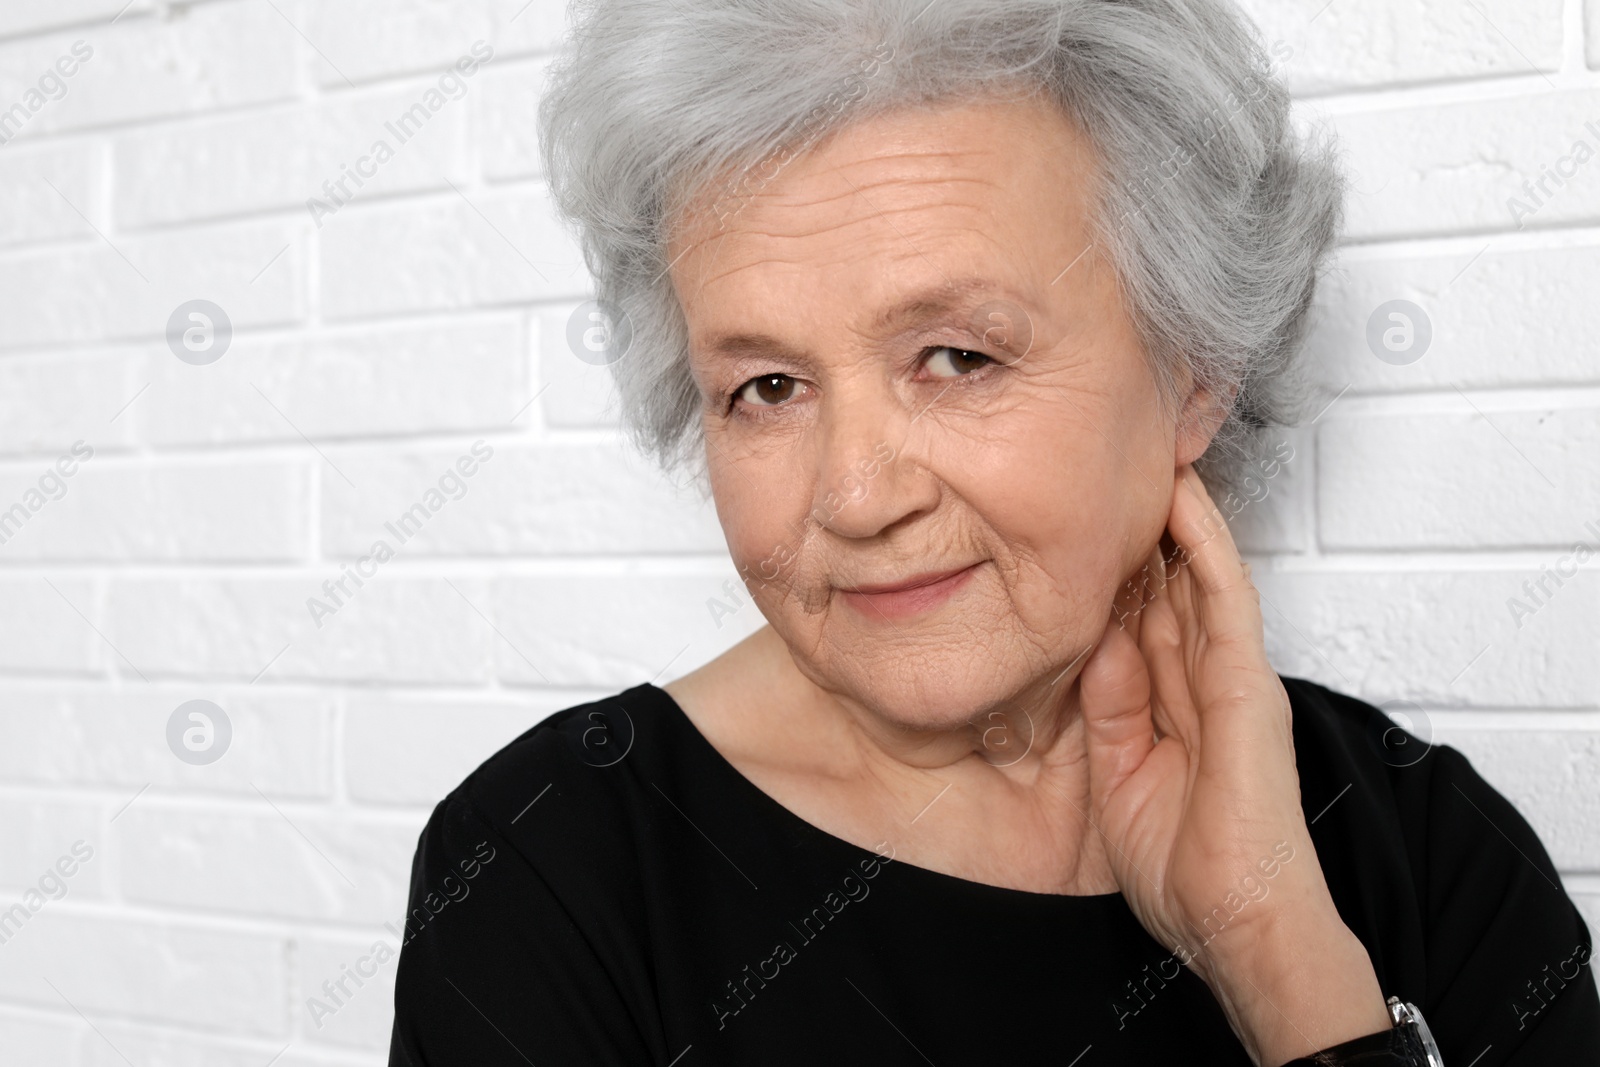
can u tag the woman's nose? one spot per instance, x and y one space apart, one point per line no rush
866 481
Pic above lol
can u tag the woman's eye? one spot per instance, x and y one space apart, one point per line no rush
768 390
774 390
947 362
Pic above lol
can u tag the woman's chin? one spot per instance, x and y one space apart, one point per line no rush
924 699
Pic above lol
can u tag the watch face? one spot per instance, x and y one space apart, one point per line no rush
1428 1044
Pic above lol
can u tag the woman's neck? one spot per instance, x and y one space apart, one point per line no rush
1002 799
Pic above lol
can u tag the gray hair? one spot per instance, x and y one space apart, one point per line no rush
1215 213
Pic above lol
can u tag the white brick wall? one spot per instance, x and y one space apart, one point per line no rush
376 344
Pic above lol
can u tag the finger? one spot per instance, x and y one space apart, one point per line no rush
1114 699
1136 594
1161 645
1156 630
1224 599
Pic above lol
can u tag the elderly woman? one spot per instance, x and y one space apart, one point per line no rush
949 301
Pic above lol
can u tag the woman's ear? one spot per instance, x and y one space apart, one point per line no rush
1202 416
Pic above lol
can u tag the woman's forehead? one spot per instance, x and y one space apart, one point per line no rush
931 196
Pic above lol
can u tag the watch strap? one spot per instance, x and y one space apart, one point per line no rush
1400 1046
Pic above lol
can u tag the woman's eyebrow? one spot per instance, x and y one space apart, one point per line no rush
932 303
914 310
735 346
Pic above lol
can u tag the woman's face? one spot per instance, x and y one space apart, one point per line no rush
913 361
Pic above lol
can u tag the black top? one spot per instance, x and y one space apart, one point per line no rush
609 890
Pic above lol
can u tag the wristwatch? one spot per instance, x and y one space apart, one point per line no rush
1408 1043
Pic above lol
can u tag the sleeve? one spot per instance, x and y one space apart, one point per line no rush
1508 951
493 971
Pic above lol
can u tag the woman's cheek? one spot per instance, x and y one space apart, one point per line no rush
1096 563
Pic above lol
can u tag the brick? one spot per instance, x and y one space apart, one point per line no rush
576 393
1445 168
367 39
556 499
444 254
172 1049
1593 8
113 510
403 749
508 106
200 58
611 631
37 212
37 835
48 402
200 977
1366 43
1588 905
370 39
1434 467
396 628
462 374
1545 292
1379 636
116 738
358 1015
93 293
39 1043
31 16
286 863
283 159
539 26
44 630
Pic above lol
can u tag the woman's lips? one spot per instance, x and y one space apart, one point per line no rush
910 597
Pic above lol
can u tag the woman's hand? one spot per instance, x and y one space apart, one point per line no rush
1193 785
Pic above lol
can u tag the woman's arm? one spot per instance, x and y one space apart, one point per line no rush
1508 973
494 971
1194 784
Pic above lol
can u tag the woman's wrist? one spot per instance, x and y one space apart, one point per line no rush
1292 989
